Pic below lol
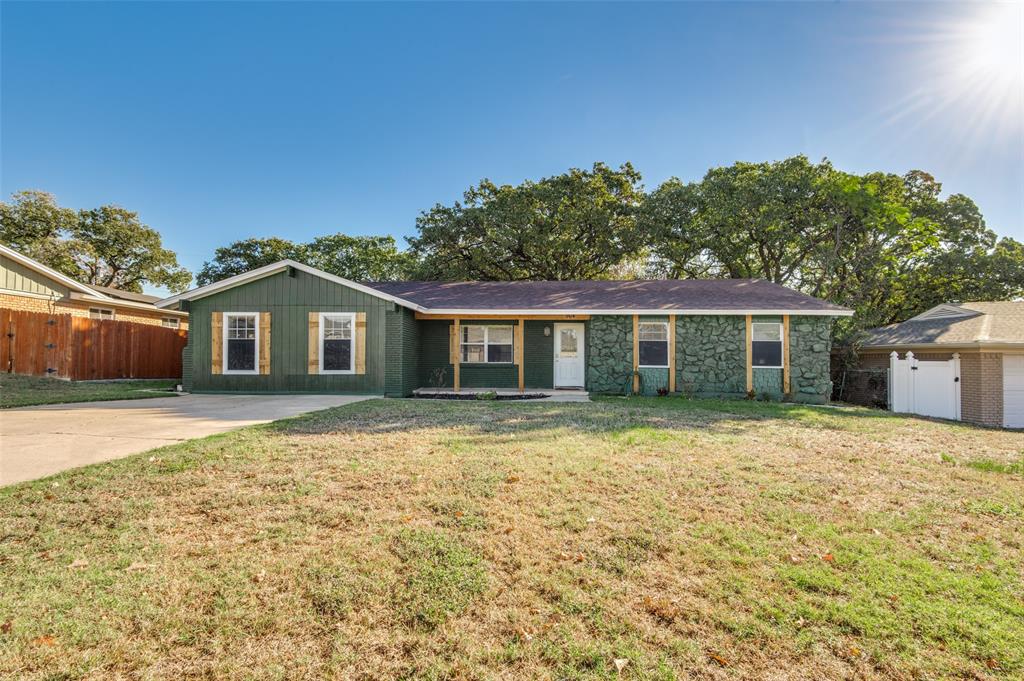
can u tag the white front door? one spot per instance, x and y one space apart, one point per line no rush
569 356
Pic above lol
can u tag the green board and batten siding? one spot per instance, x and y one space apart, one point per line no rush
289 300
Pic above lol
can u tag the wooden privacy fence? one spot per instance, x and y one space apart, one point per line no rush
80 348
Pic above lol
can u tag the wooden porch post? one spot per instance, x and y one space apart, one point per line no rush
636 353
458 353
520 353
785 353
671 353
750 357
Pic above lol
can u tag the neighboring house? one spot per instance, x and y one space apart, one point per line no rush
30 286
988 339
288 327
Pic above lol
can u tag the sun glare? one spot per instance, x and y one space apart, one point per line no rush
968 71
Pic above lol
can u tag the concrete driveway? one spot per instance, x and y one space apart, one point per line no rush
39 441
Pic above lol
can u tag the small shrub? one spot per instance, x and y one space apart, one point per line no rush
490 395
438 377
946 458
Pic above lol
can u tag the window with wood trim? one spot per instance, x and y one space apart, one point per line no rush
337 342
653 344
101 313
486 345
766 345
241 343
170 322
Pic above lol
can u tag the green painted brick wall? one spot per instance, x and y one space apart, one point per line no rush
402 353
289 300
539 354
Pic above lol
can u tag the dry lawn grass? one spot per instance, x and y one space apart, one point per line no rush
399 539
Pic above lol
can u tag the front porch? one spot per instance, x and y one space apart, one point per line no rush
498 353
560 395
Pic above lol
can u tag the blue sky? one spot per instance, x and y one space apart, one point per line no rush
223 121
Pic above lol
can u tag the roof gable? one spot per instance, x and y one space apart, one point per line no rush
50 273
269 270
966 324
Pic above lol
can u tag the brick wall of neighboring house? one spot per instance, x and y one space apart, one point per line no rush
981 389
81 309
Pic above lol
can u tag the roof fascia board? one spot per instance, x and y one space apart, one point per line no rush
977 345
117 302
649 312
51 273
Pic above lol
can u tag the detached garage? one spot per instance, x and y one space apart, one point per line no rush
968 355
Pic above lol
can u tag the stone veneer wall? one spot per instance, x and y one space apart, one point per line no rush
810 341
610 353
711 355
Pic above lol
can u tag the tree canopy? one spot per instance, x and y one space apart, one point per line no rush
107 246
359 258
885 245
578 225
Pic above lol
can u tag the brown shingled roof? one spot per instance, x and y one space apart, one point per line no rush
952 324
663 294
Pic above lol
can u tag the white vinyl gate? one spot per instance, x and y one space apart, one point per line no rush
927 388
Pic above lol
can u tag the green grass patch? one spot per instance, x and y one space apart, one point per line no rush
442 576
24 391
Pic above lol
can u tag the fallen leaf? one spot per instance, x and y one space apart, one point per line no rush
720 660
79 563
662 608
524 634
829 558
459 514
45 640
259 576
620 663
991 663
6 627
508 530
854 651
512 478
794 559
876 532
406 518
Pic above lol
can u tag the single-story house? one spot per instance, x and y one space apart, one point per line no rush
987 340
288 327
27 285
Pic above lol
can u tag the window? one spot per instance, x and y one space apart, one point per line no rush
170 322
766 344
487 344
101 313
653 344
336 342
241 343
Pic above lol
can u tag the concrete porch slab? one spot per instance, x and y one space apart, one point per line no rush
566 395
